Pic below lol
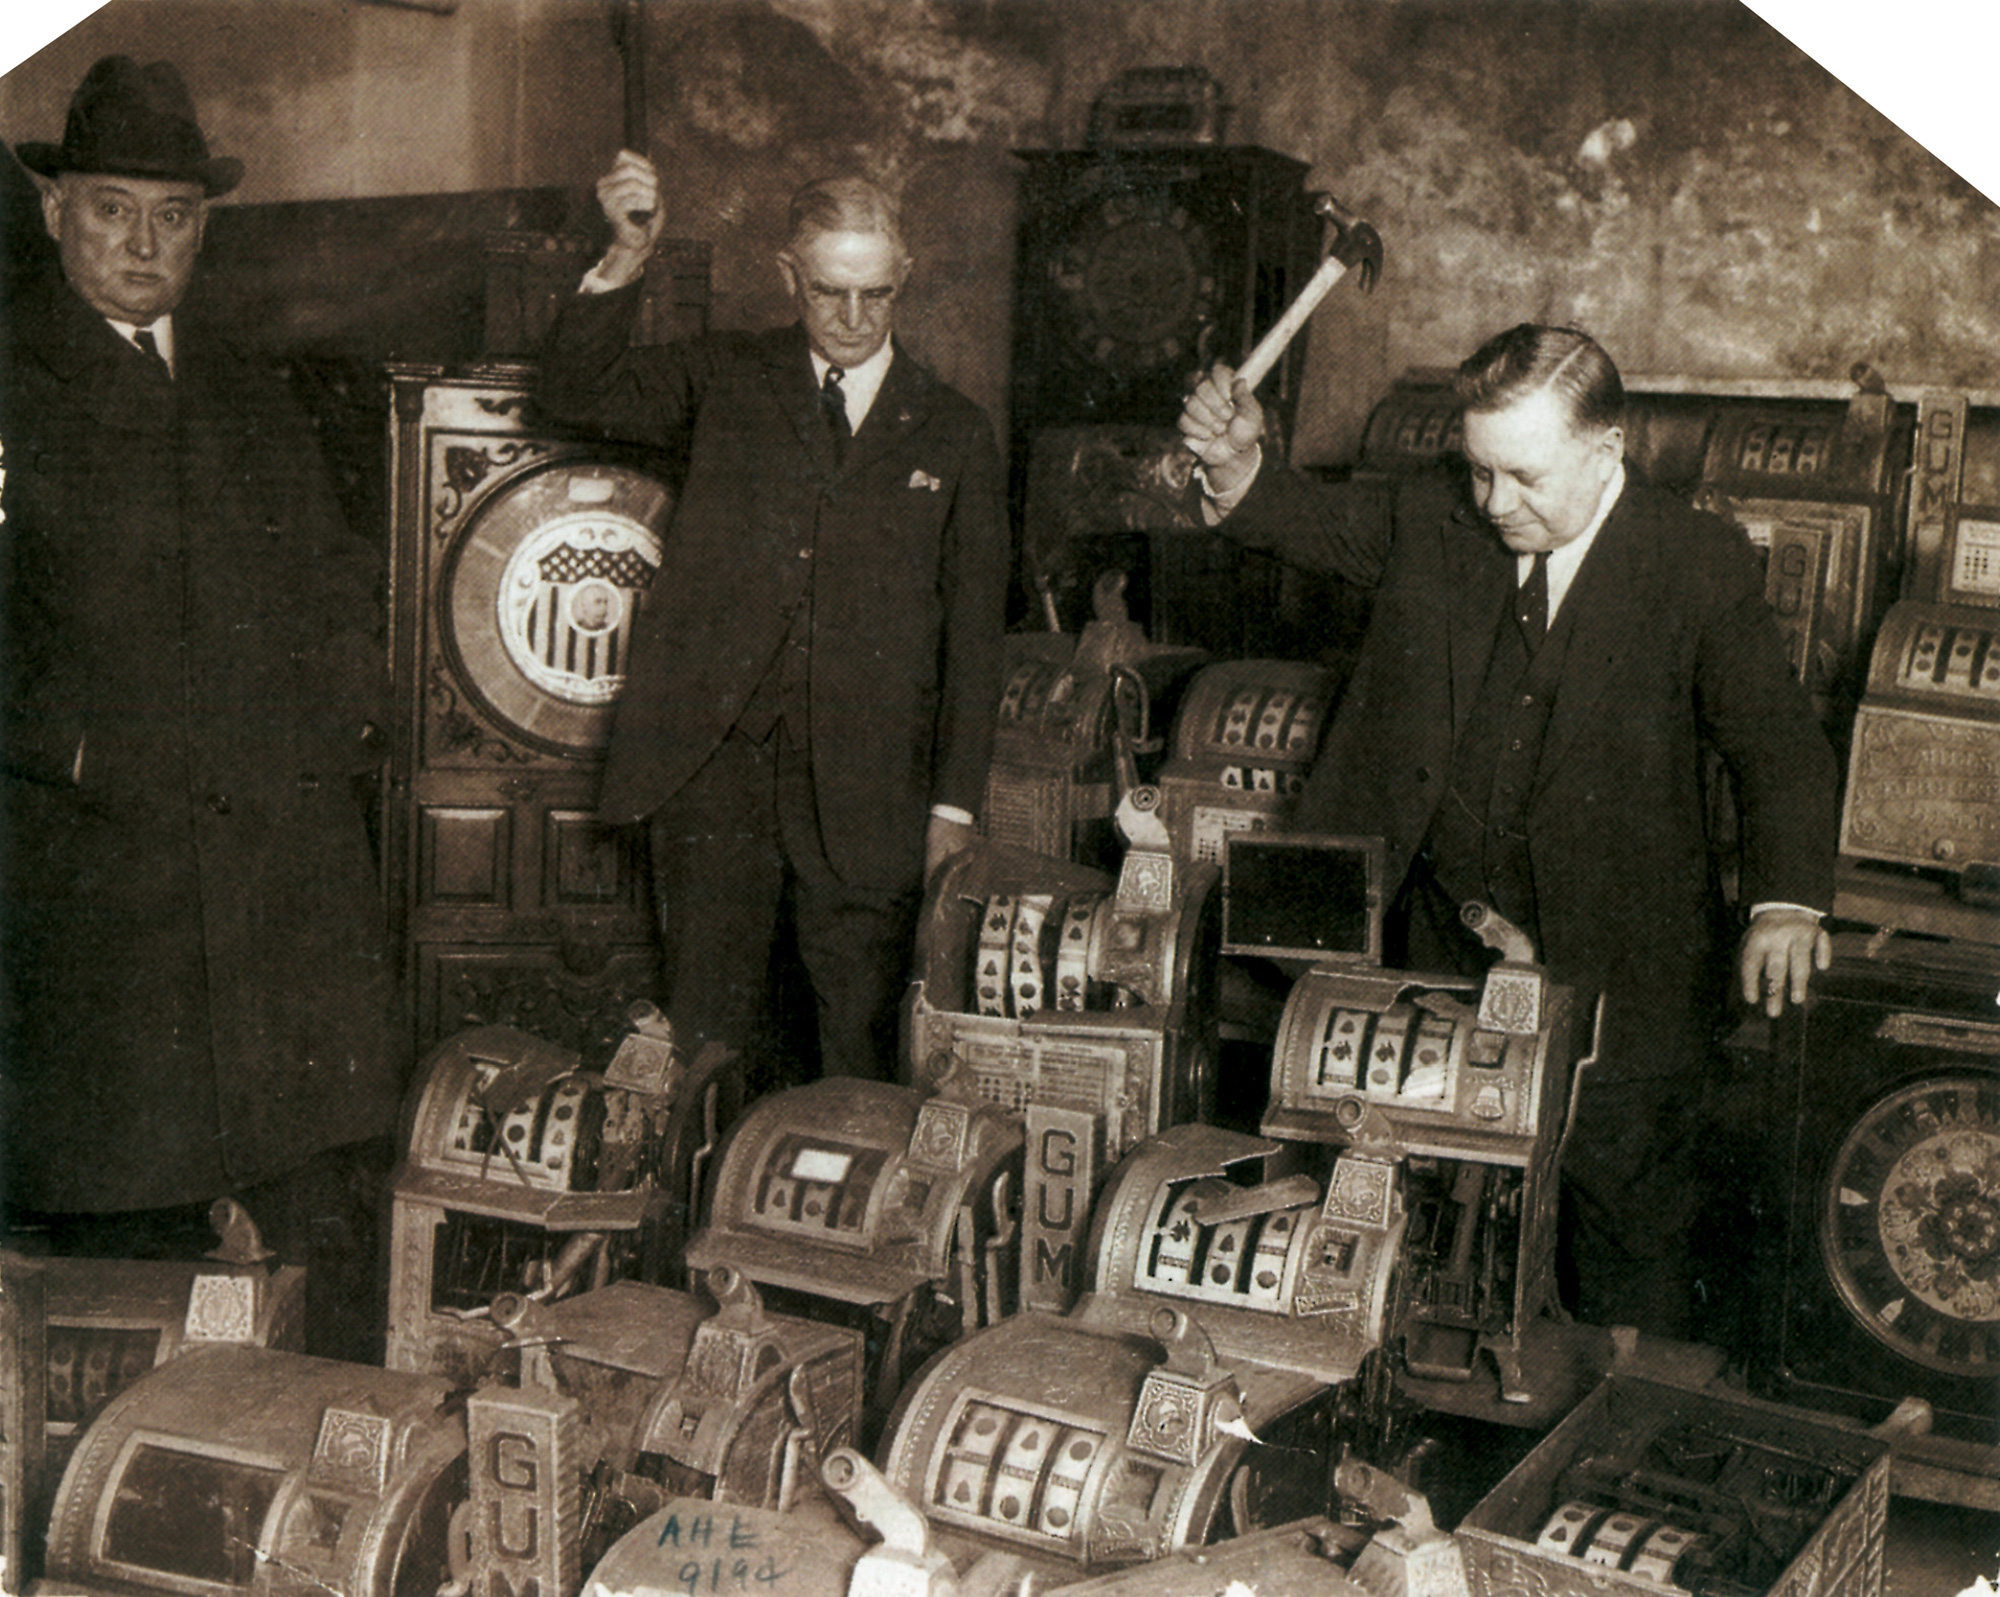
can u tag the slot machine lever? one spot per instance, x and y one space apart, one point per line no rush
1498 933
905 1563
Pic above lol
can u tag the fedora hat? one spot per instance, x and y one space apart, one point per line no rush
134 121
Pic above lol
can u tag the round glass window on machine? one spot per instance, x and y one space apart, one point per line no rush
542 590
1910 1222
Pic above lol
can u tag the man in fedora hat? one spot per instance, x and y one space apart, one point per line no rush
197 990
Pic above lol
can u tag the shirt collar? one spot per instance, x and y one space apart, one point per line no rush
162 329
860 383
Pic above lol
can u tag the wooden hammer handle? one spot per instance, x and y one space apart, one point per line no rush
1257 365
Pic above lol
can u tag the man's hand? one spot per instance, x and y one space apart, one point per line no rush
1780 952
943 839
1222 422
629 192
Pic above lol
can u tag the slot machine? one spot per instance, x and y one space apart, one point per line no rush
1243 744
887 1209
520 558
1888 1174
524 1172
635 1395
1078 1449
1062 987
1457 1092
1887 1107
1067 704
1646 1487
76 1332
251 1470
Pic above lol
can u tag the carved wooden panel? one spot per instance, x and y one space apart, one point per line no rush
520 560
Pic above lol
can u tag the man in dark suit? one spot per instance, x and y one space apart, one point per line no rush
807 716
1551 650
198 993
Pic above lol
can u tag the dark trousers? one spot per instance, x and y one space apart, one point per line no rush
1630 1194
732 852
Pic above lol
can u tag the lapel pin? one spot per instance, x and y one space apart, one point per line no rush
923 479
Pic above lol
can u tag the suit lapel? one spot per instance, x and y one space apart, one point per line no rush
109 376
1478 572
1607 618
899 409
788 369
900 406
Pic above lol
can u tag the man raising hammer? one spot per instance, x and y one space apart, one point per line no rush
1551 651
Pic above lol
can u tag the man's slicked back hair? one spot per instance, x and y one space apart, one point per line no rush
1528 358
844 205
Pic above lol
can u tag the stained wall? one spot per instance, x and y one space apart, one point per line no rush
1671 174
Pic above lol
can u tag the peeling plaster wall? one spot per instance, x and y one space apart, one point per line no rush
1669 173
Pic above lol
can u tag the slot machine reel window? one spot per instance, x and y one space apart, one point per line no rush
190 1514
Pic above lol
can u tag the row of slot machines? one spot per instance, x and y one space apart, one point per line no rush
1024 1311
1878 518
616 1294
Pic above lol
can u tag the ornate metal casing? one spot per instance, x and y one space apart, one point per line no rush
243 1470
1923 780
1282 1261
1646 1487
1467 1104
1051 787
709 1394
109 1321
1245 738
872 1204
1075 1445
525 1173
1051 984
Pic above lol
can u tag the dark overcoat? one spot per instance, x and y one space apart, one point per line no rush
1674 650
902 541
198 984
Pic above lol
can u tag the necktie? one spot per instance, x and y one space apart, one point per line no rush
1531 607
833 405
143 337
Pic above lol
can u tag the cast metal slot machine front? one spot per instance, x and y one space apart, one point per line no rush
1457 1089
1058 986
245 1470
873 1206
634 1395
524 1172
1072 1445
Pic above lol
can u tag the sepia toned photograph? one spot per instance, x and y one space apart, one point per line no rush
973 798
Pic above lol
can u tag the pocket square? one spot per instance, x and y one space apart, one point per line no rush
923 479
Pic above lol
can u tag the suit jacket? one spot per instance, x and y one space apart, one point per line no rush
903 542
1673 651
199 991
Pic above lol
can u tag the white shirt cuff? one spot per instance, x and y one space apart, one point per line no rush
1216 506
1803 909
951 812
